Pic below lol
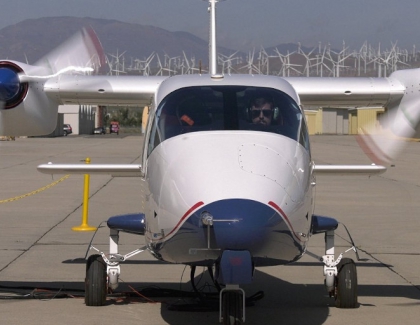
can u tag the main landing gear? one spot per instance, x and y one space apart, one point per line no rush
102 271
96 281
340 274
345 286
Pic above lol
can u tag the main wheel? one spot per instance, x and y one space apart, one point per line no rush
232 305
346 284
96 284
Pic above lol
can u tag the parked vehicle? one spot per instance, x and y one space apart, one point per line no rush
114 128
67 129
99 130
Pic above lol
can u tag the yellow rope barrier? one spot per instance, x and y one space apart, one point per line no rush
36 191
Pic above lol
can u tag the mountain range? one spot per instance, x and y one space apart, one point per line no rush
30 39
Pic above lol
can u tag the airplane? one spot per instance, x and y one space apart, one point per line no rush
218 190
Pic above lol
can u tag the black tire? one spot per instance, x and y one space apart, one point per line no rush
346 284
96 284
232 305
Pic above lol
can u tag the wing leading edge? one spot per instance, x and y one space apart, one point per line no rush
103 90
347 92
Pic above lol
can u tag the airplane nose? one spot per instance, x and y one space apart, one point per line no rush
241 224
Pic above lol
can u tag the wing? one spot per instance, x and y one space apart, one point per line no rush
348 92
30 95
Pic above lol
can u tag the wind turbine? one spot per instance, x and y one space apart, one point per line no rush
308 63
226 62
116 62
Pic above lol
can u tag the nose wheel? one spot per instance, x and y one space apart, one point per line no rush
232 307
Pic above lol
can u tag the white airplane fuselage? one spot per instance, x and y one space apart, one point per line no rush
227 177
256 184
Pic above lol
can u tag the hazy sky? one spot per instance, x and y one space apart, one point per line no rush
243 24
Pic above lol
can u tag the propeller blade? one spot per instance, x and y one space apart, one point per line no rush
383 142
81 53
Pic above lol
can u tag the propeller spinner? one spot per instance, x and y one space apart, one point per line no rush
12 91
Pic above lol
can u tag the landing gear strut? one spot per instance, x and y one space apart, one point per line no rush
102 271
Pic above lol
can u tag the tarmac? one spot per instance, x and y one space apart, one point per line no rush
42 267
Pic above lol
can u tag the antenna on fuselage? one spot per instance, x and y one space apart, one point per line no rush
212 40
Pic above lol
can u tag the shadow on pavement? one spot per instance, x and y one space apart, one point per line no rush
283 302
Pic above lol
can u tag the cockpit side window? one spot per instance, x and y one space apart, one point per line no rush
304 134
230 108
155 134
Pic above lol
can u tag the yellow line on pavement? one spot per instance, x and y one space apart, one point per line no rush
36 191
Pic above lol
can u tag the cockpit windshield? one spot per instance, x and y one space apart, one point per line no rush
228 108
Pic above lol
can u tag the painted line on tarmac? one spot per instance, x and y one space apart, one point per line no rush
36 191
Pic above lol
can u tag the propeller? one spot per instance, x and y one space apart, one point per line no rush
383 142
25 109
82 53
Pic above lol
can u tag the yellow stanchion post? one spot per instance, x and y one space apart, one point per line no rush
85 226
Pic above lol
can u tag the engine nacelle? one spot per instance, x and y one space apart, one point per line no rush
25 109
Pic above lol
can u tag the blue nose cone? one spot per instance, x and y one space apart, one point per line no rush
241 224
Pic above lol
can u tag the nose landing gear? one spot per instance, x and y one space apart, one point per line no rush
232 305
235 268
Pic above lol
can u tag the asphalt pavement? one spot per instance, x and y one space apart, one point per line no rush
42 266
